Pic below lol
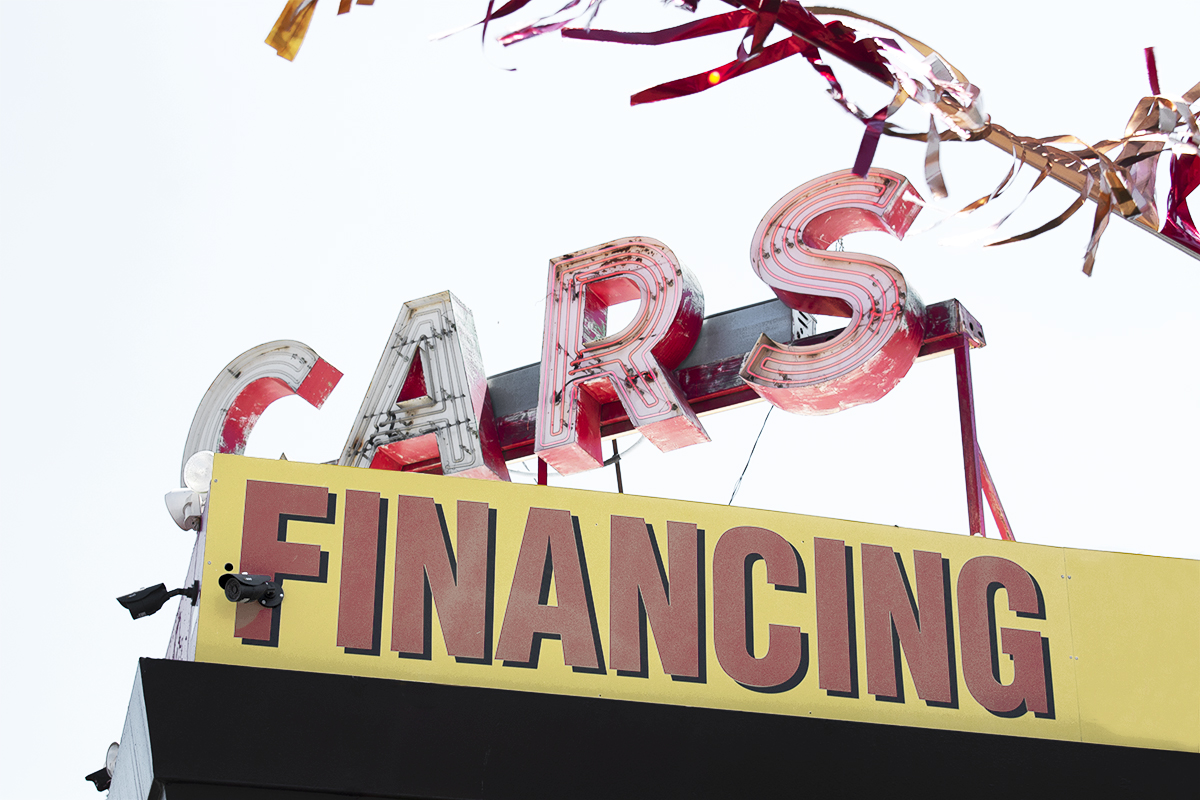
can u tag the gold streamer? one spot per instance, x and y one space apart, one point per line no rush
288 33
1052 224
1122 181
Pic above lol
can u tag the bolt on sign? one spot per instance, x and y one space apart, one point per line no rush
483 583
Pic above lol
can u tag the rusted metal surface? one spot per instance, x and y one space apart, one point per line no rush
429 398
978 477
970 442
242 391
709 377
886 317
947 324
616 459
585 366
993 498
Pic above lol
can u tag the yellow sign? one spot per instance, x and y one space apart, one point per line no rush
535 588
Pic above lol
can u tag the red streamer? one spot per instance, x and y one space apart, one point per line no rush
870 142
721 23
1179 227
834 37
1152 70
764 25
706 80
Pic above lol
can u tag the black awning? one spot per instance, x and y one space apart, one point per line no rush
263 734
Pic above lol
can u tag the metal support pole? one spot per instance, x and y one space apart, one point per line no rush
542 472
966 415
993 498
617 464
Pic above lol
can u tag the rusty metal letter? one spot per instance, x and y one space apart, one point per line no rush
429 397
242 391
886 318
584 366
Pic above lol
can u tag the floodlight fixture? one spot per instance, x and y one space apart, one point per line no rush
186 507
197 472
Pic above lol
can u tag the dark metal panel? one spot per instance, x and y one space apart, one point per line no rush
709 376
733 333
722 336
270 733
515 390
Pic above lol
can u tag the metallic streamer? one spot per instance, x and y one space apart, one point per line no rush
699 82
1152 70
291 27
933 166
730 21
1054 223
510 7
541 26
1119 174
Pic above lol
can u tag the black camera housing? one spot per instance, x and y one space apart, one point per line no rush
100 778
145 602
245 588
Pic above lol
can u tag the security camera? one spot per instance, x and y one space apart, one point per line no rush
185 507
246 588
145 602
102 777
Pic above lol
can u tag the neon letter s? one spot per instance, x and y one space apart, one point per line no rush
887 319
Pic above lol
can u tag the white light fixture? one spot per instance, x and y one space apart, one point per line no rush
197 472
185 507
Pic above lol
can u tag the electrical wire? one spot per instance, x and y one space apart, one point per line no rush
738 485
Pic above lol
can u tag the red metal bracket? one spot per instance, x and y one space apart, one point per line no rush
978 477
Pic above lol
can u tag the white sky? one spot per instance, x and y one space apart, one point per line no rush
172 194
